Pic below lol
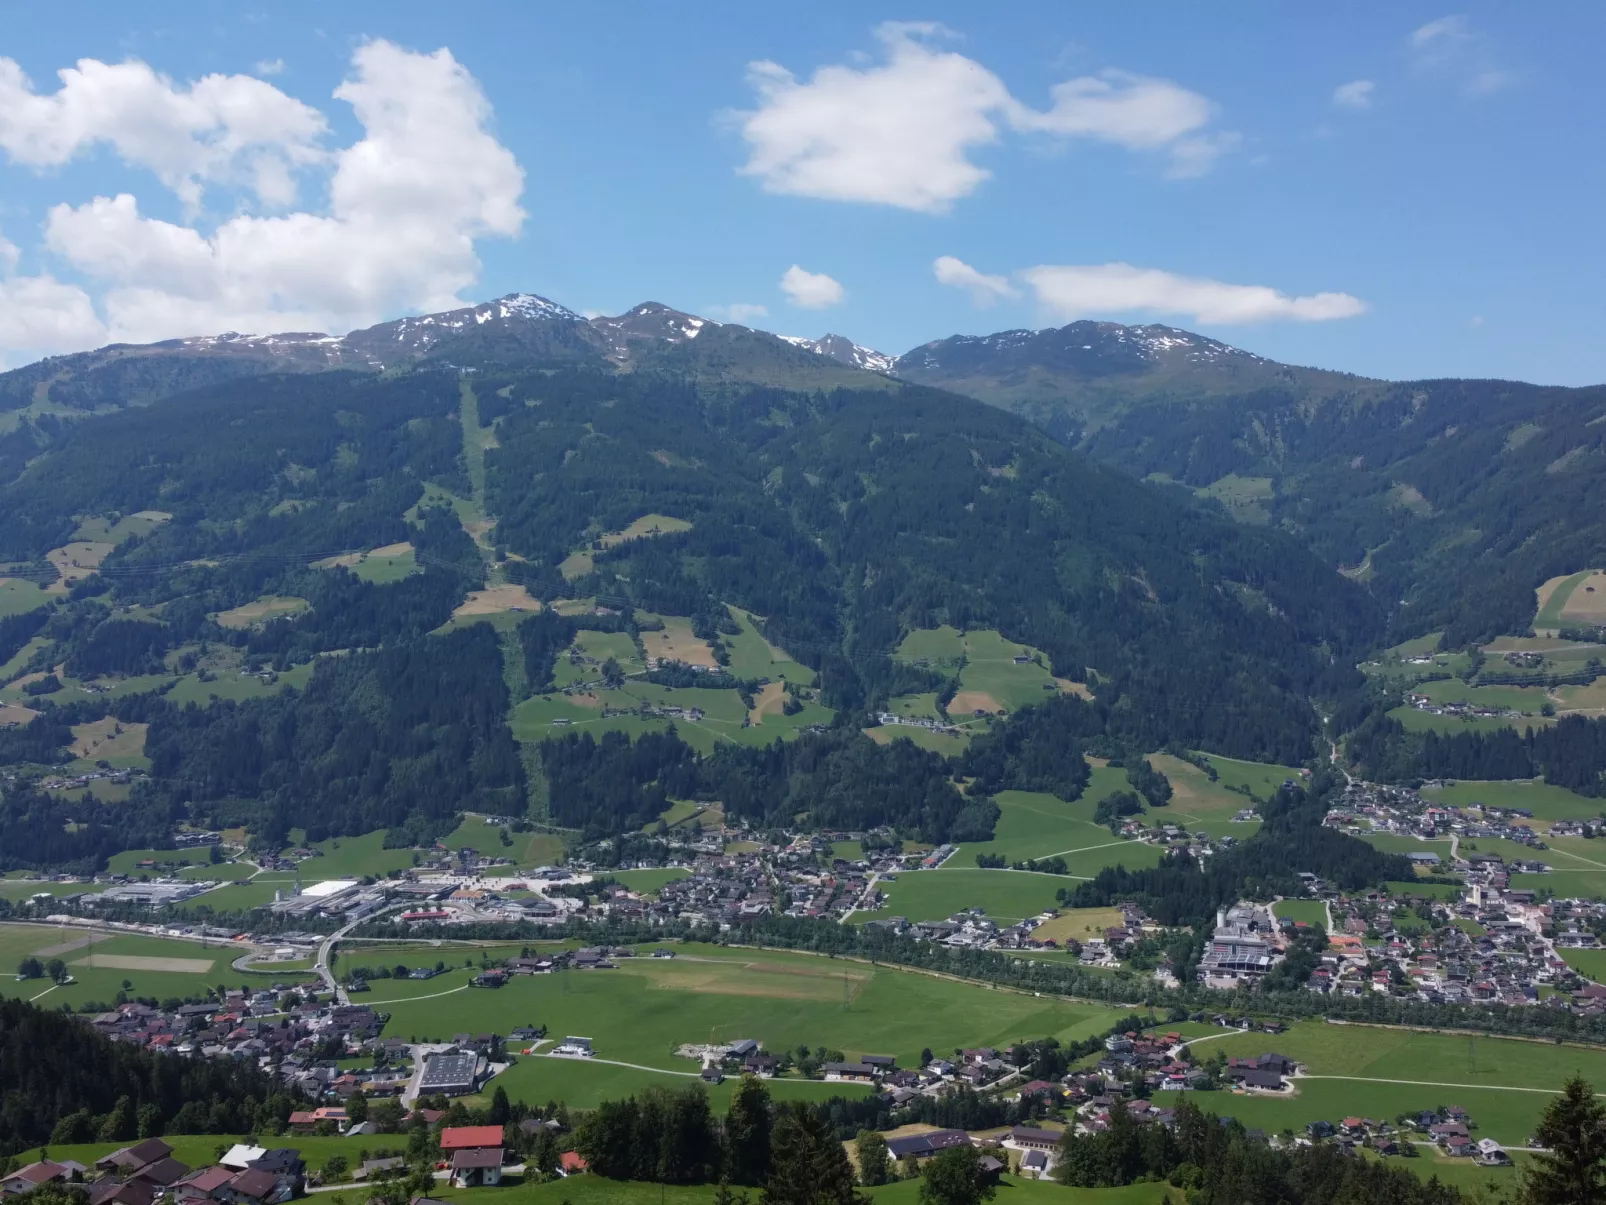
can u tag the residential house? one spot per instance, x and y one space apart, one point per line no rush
470 1138
923 1146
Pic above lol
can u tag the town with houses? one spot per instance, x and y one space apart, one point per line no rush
1482 942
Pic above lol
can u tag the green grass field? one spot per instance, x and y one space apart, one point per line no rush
1196 801
476 833
754 657
1543 800
1436 891
1261 778
235 687
353 858
649 879
1493 1078
155 966
1006 895
1310 911
1548 618
18 595
1413 720
537 718
1402 843
990 668
21 889
1589 963
947 744
1526 699
1244 498
1035 826
641 1012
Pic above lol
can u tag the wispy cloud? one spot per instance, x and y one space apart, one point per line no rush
1070 291
1357 94
984 290
1453 49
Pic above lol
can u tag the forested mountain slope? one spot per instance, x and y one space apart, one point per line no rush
358 540
1451 499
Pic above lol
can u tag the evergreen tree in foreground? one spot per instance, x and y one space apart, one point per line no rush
955 1177
810 1167
747 1133
1573 1172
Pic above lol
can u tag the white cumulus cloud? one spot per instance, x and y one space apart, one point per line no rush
220 129
1071 291
407 200
1357 94
811 290
984 290
902 132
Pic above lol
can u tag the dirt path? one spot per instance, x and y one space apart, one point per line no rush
77 943
1428 1083
616 1063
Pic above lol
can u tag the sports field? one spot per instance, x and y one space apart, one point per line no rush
1309 911
101 962
1374 1072
641 1012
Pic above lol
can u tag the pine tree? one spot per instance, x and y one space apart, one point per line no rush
500 1108
1573 1172
810 1167
747 1133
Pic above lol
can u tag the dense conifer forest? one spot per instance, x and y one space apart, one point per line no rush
60 1082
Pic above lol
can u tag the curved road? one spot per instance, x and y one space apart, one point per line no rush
326 949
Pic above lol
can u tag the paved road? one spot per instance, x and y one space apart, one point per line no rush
327 948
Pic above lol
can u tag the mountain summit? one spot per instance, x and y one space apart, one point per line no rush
1087 372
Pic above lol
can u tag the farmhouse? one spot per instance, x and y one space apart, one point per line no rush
482 1166
849 1073
1025 1138
923 1146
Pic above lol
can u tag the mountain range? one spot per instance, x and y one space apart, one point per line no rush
1450 499
1201 542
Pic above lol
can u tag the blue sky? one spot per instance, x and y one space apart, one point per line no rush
1398 190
